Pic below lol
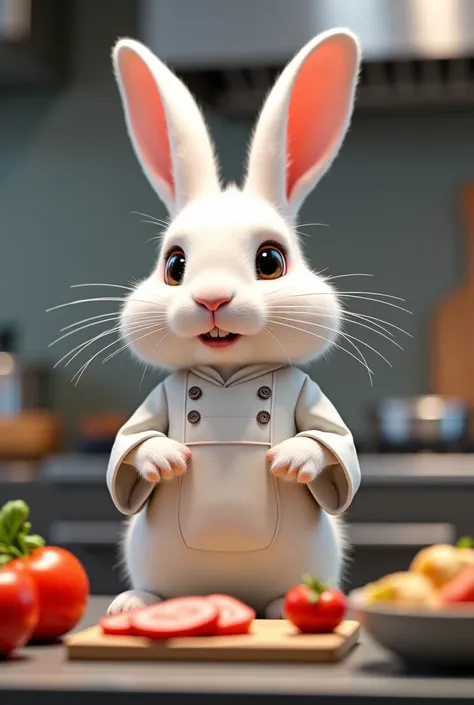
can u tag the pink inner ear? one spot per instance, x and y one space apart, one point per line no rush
147 117
318 109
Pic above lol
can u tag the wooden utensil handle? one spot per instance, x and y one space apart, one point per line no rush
467 209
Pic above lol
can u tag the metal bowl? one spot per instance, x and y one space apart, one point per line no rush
411 424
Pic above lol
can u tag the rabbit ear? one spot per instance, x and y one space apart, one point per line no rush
165 125
304 120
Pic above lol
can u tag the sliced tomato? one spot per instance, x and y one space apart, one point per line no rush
117 624
179 616
235 617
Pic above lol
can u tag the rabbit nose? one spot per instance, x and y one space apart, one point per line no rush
212 303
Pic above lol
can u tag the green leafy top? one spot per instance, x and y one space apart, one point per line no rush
15 539
465 542
316 588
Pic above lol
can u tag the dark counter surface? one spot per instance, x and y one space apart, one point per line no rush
368 675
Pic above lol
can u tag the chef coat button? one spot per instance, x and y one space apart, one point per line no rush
194 416
263 417
264 392
195 392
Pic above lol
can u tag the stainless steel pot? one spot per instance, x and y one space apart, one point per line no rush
421 423
23 387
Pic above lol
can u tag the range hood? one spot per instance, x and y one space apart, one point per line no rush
33 42
416 52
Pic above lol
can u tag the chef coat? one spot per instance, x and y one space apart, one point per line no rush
228 499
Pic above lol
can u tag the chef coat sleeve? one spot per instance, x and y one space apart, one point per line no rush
316 418
128 490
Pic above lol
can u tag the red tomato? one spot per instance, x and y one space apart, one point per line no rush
313 608
460 588
117 624
235 617
180 616
19 610
63 590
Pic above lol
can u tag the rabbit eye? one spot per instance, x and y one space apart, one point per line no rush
174 268
270 262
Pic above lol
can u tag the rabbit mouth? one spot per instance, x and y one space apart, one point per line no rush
217 338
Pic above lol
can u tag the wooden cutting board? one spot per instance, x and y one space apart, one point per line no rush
452 340
269 640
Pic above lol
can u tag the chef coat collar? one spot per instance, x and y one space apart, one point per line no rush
244 374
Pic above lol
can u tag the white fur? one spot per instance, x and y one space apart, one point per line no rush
192 155
268 158
225 265
275 609
299 459
159 458
220 231
132 600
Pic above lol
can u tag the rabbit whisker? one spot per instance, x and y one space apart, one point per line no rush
379 330
346 296
344 315
369 293
152 355
273 337
321 337
386 334
100 298
150 222
119 286
77 376
158 221
116 352
115 286
156 237
343 276
117 314
346 312
83 346
306 225
346 336
115 317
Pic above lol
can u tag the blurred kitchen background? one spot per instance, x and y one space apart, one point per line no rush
397 204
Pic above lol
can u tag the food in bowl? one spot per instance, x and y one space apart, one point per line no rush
404 588
460 589
443 562
439 576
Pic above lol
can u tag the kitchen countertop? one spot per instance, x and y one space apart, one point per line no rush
369 676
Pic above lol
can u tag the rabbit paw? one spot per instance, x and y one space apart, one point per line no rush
160 458
131 600
299 459
275 609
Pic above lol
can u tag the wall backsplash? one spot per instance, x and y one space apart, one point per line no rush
69 183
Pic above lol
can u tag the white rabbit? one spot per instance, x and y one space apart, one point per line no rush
260 465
